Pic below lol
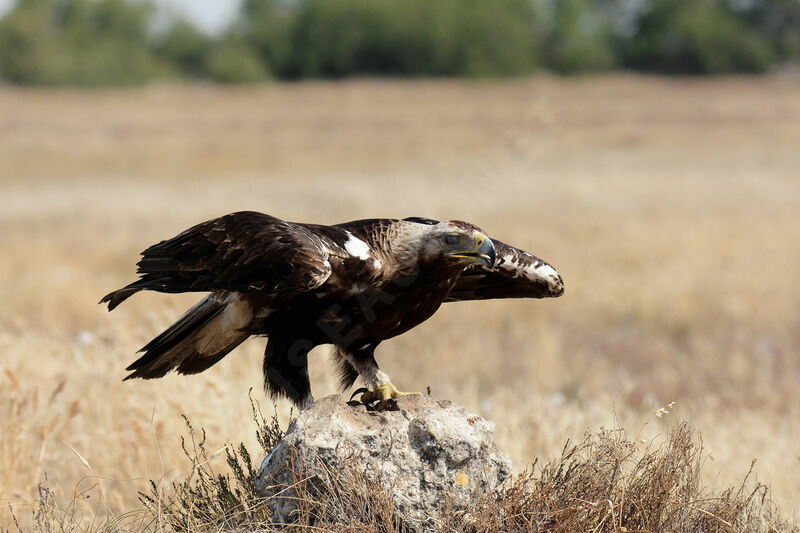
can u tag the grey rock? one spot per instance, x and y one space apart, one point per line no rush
424 453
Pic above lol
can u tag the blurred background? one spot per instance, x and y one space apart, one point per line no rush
649 149
116 42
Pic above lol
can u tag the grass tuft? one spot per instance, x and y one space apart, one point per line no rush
208 499
610 483
605 483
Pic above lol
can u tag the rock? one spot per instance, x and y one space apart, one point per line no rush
425 453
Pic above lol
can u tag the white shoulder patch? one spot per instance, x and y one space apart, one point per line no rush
356 247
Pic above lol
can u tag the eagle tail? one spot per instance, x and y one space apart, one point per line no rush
117 297
200 338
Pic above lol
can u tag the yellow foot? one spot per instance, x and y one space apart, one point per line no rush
383 394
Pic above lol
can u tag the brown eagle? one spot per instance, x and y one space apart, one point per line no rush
352 285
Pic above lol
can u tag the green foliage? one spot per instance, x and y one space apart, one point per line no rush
498 38
696 37
581 38
114 42
231 60
414 37
29 53
77 42
266 26
778 21
186 48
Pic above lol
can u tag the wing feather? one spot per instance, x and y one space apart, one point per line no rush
515 274
243 251
239 252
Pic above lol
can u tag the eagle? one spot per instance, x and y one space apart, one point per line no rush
351 285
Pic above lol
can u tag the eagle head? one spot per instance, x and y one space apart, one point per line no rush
459 242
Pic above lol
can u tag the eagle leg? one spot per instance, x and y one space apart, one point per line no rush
379 388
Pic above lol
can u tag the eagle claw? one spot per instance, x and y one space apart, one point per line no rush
385 395
361 390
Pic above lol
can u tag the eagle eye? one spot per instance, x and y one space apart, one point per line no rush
452 239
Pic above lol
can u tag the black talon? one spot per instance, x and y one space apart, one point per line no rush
361 390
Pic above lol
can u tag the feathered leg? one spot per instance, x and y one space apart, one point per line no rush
344 369
286 370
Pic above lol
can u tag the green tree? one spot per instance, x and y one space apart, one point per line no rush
113 42
696 37
29 50
499 38
266 26
414 37
77 42
232 60
779 22
185 48
108 41
581 38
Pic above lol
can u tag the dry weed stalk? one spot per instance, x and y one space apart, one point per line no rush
603 484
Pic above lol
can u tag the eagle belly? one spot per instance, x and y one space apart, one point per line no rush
375 314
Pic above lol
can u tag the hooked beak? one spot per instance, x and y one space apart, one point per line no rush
480 250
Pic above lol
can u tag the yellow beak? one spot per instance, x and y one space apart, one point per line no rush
480 250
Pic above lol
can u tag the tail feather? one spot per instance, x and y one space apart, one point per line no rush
196 341
190 322
198 362
117 297
153 282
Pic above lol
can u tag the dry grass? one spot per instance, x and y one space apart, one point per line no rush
670 207
606 483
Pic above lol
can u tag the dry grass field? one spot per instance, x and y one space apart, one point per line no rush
670 207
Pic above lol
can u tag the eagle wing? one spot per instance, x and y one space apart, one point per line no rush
244 251
515 274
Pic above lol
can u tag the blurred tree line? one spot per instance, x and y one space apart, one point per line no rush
119 42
